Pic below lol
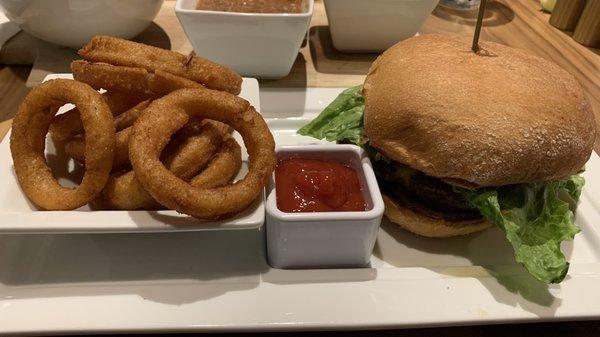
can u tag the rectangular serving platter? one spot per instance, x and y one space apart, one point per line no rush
19 215
220 280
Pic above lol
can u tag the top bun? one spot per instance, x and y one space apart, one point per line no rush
498 117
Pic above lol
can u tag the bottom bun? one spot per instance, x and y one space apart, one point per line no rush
427 226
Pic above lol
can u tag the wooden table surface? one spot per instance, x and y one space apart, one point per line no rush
517 23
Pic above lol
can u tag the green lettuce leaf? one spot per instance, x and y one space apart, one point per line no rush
342 120
536 220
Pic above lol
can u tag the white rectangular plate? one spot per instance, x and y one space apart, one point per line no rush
19 215
220 281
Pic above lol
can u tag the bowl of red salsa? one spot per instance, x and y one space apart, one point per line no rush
323 207
256 38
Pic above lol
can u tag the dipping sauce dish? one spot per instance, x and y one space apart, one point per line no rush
329 239
262 45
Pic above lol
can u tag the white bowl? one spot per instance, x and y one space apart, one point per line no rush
253 44
73 23
375 25
325 239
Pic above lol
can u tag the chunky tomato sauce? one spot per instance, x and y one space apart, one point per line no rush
307 185
251 6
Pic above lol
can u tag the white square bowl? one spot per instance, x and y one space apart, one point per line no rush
253 44
375 25
325 239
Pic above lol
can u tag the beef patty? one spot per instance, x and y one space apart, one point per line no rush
422 193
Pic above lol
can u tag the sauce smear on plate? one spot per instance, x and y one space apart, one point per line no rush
308 185
251 6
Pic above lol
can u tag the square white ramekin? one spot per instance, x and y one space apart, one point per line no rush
325 239
253 44
375 25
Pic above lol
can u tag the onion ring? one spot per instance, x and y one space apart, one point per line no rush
128 79
152 131
68 124
194 153
132 54
190 156
127 118
76 149
124 192
195 128
222 168
27 143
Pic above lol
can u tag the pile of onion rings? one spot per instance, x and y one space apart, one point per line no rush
158 136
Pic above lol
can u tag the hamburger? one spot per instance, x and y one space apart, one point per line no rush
462 141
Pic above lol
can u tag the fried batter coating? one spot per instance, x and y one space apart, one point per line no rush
28 138
68 124
76 149
137 81
190 155
132 54
152 131
223 167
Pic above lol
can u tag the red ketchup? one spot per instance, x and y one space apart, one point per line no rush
308 185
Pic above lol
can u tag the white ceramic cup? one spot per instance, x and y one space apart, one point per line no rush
325 239
73 23
375 25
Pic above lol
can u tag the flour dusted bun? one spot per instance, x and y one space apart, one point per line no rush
498 117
